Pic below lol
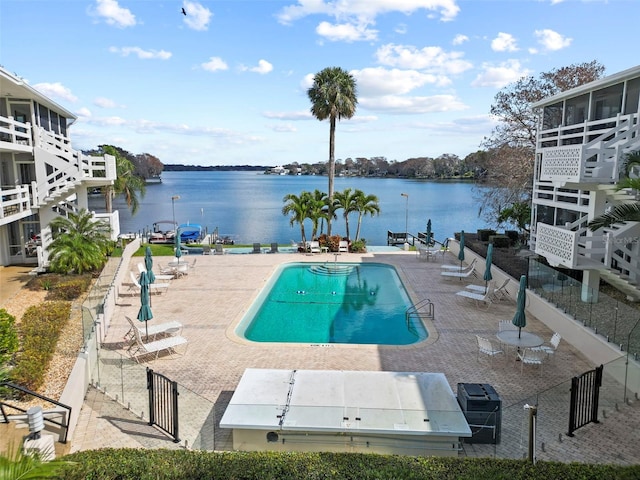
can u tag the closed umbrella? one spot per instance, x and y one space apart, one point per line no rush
148 262
428 233
177 245
144 314
461 252
520 319
487 267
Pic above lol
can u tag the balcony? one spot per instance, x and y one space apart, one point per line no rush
15 136
558 245
587 153
15 203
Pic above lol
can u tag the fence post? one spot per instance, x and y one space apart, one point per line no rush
572 406
151 395
174 407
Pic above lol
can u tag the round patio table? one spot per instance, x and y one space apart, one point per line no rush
526 339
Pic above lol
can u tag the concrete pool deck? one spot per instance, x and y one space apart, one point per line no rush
212 299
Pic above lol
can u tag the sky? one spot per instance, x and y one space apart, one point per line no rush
226 84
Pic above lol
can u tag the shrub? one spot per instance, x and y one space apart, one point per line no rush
70 289
500 241
39 332
359 246
485 233
8 336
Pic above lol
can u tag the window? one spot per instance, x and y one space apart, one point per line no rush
633 96
608 102
552 116
576 110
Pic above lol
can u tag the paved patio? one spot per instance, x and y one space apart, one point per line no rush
212 299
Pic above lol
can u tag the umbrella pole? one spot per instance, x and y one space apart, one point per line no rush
146 328
519 331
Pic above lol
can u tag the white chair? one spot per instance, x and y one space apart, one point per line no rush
487 348
343 246
506 325
482 300
166 328
529 356
459 268
501 292
314 247
162 276
153 287
167 344
219 249
460 275
553 345
206 250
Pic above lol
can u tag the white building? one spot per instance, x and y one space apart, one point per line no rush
583 138
41 175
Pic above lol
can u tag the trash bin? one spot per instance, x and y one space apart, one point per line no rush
482 407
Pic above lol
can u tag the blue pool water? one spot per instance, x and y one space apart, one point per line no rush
333 303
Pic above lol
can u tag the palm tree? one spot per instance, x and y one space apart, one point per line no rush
365 204
126 183
79 243
333 95
626 212
298 208
15 463
345 200
318 210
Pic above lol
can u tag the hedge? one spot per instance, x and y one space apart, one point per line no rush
112 464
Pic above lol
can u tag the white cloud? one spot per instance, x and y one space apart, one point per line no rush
460 39
413 105
279 128
551 40
140 53
214 64
347 32
83 112
498 76
197 17
366 10
263 68
56 90
300 115
104 102
428 58
114 14
401 29
380 81
504 42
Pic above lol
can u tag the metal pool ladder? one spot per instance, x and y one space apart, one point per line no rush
422 309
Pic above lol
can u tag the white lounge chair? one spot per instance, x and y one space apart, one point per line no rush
168 344
314 247
165 328
206 250
460 275
161 276
459 268
482 300
219 249
154 287
343 246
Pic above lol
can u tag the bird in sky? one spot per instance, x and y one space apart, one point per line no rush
184 11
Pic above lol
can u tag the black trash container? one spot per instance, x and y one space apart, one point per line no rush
482 407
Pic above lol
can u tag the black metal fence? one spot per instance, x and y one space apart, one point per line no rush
163 403
585 392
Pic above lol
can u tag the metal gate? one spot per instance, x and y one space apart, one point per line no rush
585 391
163 403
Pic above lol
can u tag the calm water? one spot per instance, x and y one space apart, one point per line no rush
333 303
247 206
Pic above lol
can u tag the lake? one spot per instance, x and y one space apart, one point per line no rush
247 206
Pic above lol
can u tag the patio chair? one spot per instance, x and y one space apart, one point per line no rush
206 250
490 287
256 248
550 348
168 344
501 292
166 328
274 248
459 275
486 347
529 356
459 268
219 249
343 246
314 247
153 287
482 300
161 276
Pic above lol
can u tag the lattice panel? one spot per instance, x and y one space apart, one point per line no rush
561 163
556 244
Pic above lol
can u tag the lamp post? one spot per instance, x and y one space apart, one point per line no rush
173 209
406 221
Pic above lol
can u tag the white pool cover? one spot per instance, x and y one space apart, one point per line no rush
331 410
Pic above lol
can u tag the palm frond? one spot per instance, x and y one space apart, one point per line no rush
627 212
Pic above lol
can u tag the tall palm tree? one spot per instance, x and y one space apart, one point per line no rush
333 95
127 183
79 243
626 212
298 208
345 200
365 204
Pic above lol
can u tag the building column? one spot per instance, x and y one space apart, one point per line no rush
590 286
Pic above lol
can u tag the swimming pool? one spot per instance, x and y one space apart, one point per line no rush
333 303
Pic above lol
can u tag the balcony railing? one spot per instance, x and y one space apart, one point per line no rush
588 152
557 244
14 201
16 133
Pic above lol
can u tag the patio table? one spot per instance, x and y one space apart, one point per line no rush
525 340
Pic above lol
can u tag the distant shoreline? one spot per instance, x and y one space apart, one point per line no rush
219 168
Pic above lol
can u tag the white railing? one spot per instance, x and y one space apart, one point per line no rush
557 244
17 133
14 200
591 161
113 220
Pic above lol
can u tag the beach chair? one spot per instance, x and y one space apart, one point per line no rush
274 248
219 250
343 246
154 287
168 344
206 250
481 299
460 275
256 248
166 328
161 276
459 268
314 247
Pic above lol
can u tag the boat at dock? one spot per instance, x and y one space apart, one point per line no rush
161 234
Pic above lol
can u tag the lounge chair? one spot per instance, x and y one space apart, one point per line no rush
219 249
459 268
460 275
161 276
274 248
168 344
343 246
206 250
166 328
153 287
256 248
480 299
314 247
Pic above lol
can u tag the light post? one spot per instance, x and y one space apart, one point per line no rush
406 221
173 208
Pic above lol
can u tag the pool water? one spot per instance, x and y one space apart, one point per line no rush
333 303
